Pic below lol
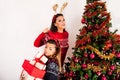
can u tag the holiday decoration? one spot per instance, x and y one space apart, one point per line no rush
96 54
34 69
55 7
26 76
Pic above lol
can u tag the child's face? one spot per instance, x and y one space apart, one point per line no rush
60 22
49 49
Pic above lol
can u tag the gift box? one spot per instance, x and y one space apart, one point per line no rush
39 65
32 70
41 57
25 76
44 59
38 55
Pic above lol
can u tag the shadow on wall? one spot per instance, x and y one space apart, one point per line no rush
73 28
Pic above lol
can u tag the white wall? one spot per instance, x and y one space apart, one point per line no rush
21 21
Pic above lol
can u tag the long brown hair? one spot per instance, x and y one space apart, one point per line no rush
57 54
53 28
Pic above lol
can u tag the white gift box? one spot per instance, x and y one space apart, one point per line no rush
32 62
38 65
44 59
38 55
41 57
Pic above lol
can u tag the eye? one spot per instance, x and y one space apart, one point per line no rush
59 20
50 48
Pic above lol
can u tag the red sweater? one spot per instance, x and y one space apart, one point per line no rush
61 37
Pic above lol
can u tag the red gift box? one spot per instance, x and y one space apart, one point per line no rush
32 70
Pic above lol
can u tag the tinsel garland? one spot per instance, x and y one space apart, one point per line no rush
102 56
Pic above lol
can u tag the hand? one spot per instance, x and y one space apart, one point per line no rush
46 30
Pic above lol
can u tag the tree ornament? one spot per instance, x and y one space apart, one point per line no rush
112 67
118 54
92 55
84 66
86 76
109 73
71 74
104 77
76 59
85 54
83 20
98 73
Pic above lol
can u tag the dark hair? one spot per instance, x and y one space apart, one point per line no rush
56 43
53 28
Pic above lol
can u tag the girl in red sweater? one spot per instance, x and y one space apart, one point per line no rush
57 32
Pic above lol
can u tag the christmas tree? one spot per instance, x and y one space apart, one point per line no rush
96 55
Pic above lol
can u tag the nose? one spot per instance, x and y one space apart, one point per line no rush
63 21
45 50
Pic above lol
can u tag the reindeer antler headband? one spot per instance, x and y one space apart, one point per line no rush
61 9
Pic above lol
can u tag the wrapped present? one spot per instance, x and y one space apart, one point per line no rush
25 76
33 70
44 59
39 65
41 58
38 55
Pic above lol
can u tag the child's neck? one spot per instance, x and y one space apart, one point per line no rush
60 30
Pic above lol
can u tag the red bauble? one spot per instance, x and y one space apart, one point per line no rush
83 21
98 73
71 73
84 66
88 40
109 72
112 67
85 54
118 55
77 59
92 55
104 77
86 76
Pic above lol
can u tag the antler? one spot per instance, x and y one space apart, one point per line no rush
63 6
55 7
